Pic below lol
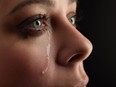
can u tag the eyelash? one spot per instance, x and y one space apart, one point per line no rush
26 28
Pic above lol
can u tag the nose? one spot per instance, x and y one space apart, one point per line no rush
73 46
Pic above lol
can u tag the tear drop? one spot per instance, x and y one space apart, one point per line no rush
46 66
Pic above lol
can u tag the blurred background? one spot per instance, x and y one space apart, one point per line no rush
98 23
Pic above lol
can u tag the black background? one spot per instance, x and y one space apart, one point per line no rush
99 25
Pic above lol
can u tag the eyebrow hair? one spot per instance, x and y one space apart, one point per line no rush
72 1
29 2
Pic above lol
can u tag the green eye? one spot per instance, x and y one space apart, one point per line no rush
72 20
33 26
36 25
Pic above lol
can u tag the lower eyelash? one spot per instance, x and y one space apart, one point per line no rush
28 32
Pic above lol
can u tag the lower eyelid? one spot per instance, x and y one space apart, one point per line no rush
32 33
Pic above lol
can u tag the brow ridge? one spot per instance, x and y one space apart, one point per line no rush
49 3
29 2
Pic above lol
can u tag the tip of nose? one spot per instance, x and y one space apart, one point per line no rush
88 50
74 55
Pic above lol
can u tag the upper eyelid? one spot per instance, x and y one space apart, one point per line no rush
39 16
70 14
32 19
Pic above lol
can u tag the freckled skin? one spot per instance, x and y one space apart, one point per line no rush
22 60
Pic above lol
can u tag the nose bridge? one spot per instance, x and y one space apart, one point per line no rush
71 36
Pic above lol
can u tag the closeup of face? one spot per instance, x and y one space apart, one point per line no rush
40 45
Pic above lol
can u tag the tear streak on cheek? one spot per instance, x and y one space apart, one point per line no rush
46 66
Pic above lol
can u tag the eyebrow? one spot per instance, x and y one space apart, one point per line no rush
72 1
49 3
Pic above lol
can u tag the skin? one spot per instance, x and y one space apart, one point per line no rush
23 58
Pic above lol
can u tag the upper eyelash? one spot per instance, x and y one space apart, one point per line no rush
32 19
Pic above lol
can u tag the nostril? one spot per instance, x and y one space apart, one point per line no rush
75 58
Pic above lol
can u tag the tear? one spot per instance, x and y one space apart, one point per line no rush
48 56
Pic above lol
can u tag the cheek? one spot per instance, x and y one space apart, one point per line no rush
29 56
22 62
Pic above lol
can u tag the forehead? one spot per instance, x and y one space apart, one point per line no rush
7 2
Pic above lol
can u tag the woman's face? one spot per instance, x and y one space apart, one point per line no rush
40 46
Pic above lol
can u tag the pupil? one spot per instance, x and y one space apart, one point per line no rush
37 22
72 21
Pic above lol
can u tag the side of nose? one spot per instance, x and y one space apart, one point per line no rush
73 46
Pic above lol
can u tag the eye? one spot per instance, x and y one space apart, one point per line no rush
72 20
36 25
33 25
